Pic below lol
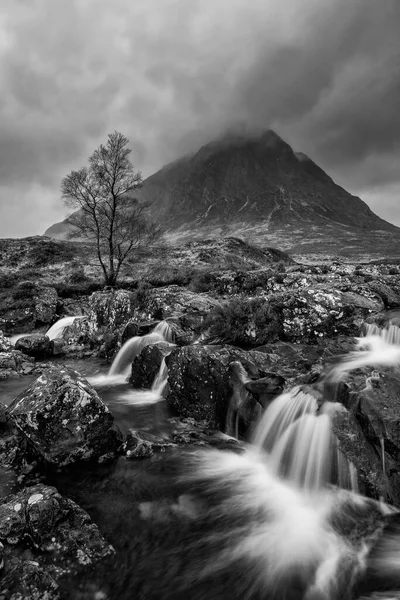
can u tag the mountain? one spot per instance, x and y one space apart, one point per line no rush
258 187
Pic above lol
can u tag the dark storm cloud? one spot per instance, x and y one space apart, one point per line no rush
173 74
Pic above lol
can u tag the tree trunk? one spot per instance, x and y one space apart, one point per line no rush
110 280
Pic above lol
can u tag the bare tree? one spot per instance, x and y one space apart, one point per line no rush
107 212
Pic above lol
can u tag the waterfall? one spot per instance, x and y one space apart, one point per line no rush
14 338
54 332
122 362
300 443
121 365
148 397
160 379
390 332
297 435
57 329
164 328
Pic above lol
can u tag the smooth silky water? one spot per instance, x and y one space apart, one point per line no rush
261 524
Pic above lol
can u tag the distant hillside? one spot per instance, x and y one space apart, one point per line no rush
260 188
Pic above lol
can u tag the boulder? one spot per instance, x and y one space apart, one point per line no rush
43 537
199 383
58 346
79 332
35 345
45 301
266 389
319 312
370 433
64 419
146 365
109 309
183 308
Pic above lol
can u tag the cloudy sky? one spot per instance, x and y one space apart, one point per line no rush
172 74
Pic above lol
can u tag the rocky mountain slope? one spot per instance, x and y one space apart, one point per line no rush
260 189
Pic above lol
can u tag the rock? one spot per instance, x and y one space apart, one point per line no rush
146 365
141 444
14 363
45 301
79 332
243 410
5 343
199 381
183 307
64 419
189 431
8 361
35 345
44 537
318 313
109 309
390 297
58 347
370 434
266 389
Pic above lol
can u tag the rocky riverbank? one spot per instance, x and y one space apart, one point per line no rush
238 338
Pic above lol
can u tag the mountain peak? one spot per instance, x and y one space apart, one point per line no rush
253 181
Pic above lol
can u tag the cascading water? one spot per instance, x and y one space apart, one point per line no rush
390 332
57 329
54 332
122 362
301 447
289 534
164 328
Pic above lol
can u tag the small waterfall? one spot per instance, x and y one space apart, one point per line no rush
390 333
371 351
382 440
14 338
54 332
160 380
164 328
148 397
281 414
300 442
57 329
132 348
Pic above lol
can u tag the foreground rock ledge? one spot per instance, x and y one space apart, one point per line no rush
42 537
64 419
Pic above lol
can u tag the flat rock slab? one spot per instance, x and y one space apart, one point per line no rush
64 419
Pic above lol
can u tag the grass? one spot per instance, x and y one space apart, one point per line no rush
245 322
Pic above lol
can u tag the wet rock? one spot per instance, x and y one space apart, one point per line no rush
199 383
184 307
141 444
146 365
45 536
266 389
191 432
243 410
370 436
58 347
130 330
79 332
64 419
35 345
